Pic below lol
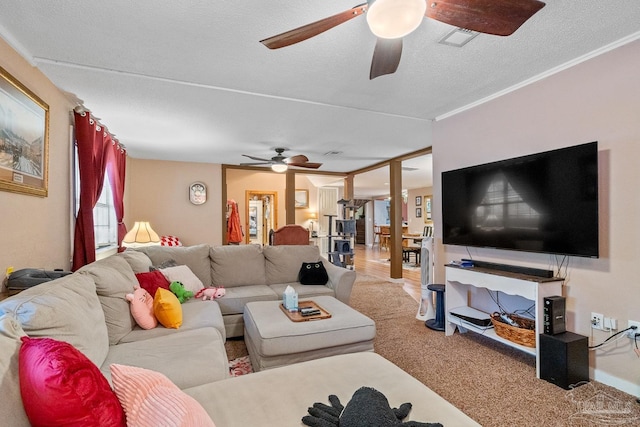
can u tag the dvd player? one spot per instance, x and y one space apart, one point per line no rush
472 316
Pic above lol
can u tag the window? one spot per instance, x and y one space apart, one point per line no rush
105 225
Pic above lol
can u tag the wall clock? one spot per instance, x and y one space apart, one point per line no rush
197 193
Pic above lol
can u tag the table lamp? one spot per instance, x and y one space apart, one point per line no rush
141 235
312 216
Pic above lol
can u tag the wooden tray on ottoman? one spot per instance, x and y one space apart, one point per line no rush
297 317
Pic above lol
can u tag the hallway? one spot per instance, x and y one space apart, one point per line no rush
365 263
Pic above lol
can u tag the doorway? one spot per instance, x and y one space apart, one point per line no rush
260 216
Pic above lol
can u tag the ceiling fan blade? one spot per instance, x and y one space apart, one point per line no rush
386 57
300 158
255 164
256 158
311 30
307 165
497 17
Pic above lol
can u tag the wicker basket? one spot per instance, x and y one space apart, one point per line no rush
524 334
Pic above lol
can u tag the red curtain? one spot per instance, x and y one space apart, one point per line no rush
93 144
116 167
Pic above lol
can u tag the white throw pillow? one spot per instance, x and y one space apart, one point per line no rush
184 275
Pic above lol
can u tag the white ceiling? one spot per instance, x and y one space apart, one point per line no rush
190 81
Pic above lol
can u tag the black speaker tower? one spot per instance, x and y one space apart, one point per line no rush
554 315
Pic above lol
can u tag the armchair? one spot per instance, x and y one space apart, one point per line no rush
290 234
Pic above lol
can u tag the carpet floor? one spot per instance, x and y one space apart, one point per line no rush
494 384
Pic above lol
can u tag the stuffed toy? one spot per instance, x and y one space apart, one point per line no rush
178 289
142 308
211 293
367 407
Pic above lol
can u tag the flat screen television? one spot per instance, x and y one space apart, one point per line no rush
545 202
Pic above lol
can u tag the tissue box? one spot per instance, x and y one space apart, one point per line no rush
290 301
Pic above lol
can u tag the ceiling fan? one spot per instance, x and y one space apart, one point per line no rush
391 20
280 163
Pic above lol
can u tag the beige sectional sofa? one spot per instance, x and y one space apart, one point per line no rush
88 310
253 273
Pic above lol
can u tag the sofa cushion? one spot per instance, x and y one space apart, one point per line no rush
167 309
62 309
236 297
114 278
237 265
283 262
150 399
303 291
188 358
61 386
194 257
195 314
151 281
138 261
11 407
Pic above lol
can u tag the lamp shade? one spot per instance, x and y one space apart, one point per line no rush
392 19
141 235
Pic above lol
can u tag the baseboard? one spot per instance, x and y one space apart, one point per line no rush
618 383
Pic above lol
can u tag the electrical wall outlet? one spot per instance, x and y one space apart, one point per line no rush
632 332
597 321
610 324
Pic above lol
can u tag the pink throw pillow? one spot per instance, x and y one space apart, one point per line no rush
151 281
150 399
142 308
61 386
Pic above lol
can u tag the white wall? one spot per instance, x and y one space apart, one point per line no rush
36 231
596 100
416 225
158 191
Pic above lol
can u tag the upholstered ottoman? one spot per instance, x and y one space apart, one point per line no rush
273 339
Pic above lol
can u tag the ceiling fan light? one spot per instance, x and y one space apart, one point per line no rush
392 19
279 167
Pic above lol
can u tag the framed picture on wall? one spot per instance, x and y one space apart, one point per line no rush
427 208
253 221
24 139
301 199
418 200
418 212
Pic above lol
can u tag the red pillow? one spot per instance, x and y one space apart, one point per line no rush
151 281
61 386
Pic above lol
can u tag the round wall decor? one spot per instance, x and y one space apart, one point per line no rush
197 193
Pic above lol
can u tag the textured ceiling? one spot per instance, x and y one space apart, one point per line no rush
189 80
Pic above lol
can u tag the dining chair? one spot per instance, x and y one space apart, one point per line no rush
377 234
